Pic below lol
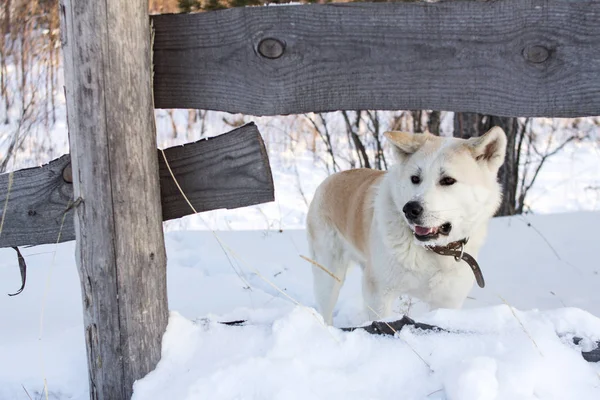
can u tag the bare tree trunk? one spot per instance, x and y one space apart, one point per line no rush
509 172
417 128
433 123
325 136
53 28
6 27
192 118
351 159
173 124
3 72
380 161
358 144
47 77
202 114
23 61
4 52
529 173
467 125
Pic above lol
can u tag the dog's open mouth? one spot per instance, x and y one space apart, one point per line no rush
424 234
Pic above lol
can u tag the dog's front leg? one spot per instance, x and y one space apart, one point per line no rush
378 299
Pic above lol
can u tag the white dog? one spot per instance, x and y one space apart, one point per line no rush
442 191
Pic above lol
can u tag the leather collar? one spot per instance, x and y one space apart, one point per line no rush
456 249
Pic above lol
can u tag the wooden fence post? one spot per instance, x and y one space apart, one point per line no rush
118 223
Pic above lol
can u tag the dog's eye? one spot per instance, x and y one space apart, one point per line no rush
415 179
447 181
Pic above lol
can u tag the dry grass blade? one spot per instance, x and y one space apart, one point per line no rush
273 285
242 278
530 225
26 392
521 323
176 182
227 249
70 205
316 264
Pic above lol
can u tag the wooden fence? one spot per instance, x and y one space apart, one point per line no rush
509 58
506 57
227 171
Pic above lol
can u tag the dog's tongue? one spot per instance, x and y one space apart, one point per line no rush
422 231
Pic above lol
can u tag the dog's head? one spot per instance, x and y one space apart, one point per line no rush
445 187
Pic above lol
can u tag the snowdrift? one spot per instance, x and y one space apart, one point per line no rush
513 340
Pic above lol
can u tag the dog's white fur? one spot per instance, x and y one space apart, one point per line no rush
356 216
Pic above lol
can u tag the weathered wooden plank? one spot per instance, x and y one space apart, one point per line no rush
120 245
505 57
227 171
37 205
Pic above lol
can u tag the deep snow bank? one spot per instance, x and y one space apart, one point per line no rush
545 262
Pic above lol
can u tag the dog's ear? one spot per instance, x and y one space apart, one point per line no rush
405 143
489 148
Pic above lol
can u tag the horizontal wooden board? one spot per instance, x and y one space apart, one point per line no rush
37 205
505 57
226 171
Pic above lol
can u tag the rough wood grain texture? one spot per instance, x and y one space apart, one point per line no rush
120 245
226 171
505 57
37 202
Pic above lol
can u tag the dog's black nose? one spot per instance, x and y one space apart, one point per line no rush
412 210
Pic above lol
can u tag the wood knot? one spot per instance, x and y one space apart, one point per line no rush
271 48
67 173
536 54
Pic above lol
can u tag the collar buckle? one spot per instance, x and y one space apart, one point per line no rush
462 251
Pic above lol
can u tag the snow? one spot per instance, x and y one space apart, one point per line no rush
538 264
296 357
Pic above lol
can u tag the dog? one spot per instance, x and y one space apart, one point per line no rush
441 191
